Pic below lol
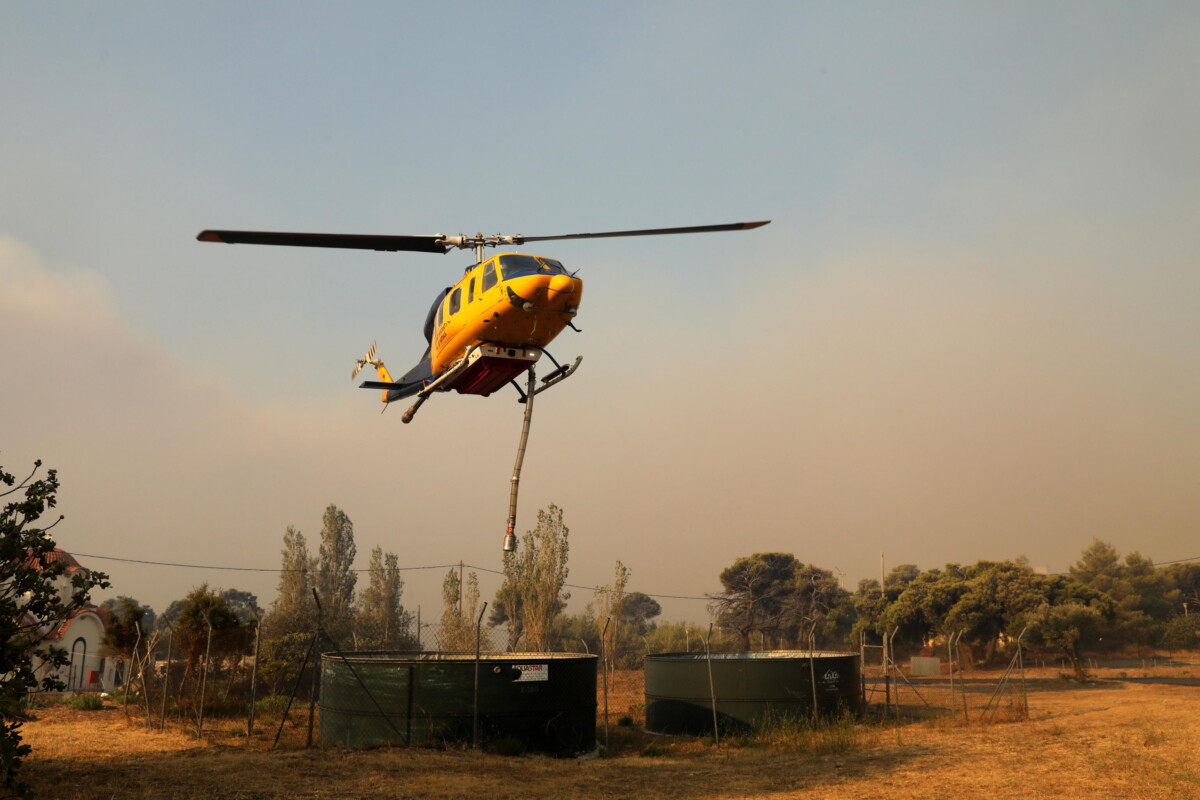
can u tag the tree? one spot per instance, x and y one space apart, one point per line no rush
293 610
31 603
1071 626
1145 596
532 594
871 602
819 607
757 594
127 626
380 620
608 602
335 576
460 610
995 597
204 609
244 606
1186 580
637 609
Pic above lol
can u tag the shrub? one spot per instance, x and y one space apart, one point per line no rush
272 704
86 702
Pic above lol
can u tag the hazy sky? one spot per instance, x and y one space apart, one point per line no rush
971 331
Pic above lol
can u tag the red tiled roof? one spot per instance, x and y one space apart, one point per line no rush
60 628
58 556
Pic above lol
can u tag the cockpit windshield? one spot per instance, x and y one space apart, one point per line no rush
514 265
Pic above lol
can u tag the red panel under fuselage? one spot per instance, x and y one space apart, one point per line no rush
490 368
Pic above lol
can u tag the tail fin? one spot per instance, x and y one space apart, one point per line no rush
377 363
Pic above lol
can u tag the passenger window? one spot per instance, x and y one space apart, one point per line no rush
455 303
437 322
489 276
471 291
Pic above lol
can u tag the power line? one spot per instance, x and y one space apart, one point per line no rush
453 566
401 569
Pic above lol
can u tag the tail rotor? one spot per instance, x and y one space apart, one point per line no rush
369 358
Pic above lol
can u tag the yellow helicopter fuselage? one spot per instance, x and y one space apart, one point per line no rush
511 299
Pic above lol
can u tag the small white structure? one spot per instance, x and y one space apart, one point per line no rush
925 665
79 636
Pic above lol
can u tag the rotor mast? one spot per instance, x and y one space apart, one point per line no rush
479 243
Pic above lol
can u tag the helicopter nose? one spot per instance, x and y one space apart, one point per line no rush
563 283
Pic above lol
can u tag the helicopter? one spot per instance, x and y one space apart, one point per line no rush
492 325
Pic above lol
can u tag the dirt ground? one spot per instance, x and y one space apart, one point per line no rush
1127 736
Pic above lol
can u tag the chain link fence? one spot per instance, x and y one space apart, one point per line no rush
264 692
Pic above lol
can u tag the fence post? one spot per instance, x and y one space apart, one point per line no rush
162 722
475 703
150 644
712 692
604 666
312 696
128 672
254 677
1021 666
812 667
204 676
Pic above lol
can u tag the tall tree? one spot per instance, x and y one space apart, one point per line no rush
293 610
381 620
532 594
32 601
335 576
608 603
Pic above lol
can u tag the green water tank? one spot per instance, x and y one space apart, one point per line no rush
747 688
545 700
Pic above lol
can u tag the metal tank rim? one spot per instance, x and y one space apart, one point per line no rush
434 655
765 655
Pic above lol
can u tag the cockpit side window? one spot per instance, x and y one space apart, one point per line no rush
489 275
455 303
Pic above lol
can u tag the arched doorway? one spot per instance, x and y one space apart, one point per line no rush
78 672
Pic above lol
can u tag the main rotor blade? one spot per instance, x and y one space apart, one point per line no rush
732 226
352 241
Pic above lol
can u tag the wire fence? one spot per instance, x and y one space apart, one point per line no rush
447 684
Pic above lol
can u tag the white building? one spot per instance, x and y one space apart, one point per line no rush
79 636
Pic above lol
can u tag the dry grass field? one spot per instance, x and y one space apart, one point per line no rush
1108 739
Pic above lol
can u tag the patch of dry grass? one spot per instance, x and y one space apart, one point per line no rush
1103 741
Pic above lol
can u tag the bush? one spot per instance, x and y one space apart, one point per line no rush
272 704
86 702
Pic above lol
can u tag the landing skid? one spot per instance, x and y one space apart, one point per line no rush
556 376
